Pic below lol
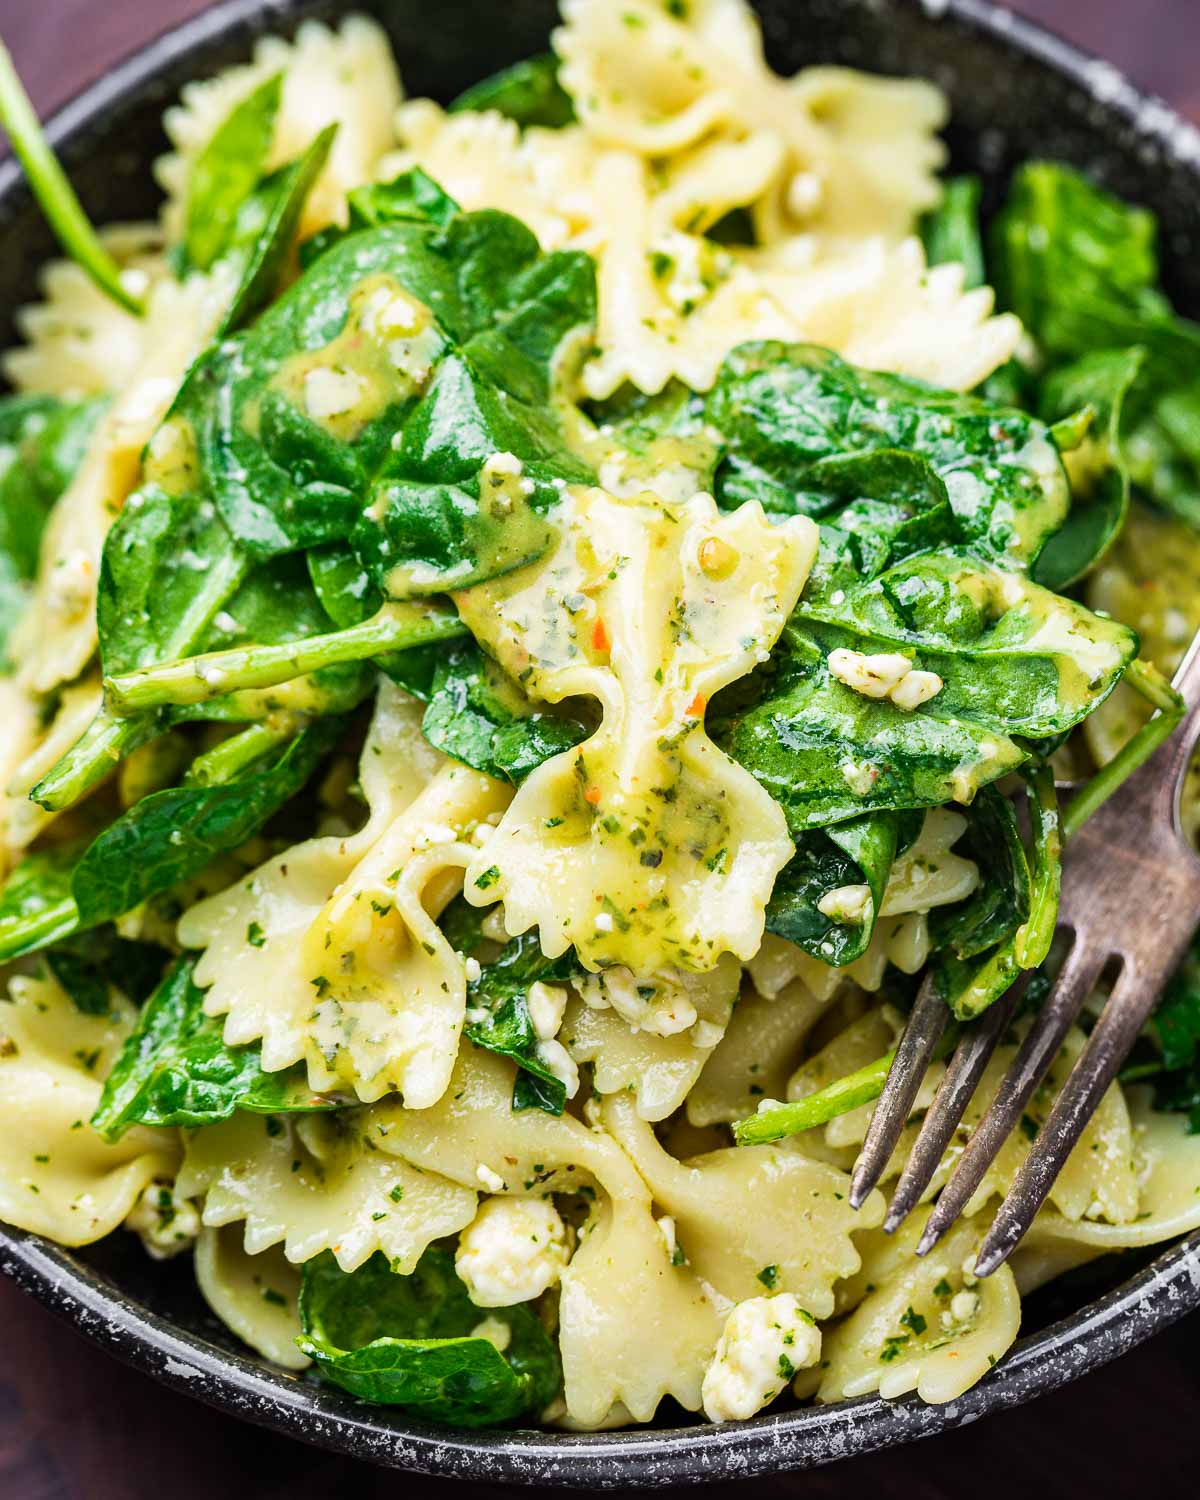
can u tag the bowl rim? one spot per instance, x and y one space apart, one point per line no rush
803 1438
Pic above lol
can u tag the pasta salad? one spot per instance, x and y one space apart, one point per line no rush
529 628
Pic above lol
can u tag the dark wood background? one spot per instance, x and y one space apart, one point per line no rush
74 1425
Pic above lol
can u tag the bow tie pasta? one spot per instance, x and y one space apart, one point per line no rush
646 845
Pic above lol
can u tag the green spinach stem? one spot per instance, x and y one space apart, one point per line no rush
195 679
224 761
54 193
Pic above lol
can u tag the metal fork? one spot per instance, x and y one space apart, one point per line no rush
1131 896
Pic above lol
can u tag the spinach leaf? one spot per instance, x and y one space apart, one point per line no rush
501 992
172 834
42 443
1001 902
265 229
857 852
349 597
1081 269
1176 1020
226 172
175 1068
168 567
529 93
411 195
85 966
36 905
408 1341
1096 385
951 231
787 410
400 472
479 716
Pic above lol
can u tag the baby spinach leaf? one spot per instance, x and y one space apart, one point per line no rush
42 443
857 852
168 566
265 228
1015 661
411 195
408 1341
1096 385
349 597
529 93
1001 902
36 905
226 172
285 479
785 409
502 991
1176 1020
1080 267
172 834
951 230
85 966
175 1068
479 716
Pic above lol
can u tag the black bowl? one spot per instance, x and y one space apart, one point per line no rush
1016 92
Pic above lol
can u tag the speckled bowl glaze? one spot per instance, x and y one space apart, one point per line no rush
1016 92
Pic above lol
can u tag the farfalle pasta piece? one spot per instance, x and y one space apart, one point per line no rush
263 987
752 1216
670 304
254 1295
57 635
484 160
390 991
857 154
646 845
758 1053
923 1325
345 77
879 305
621 1276
57 1177
78 341
318 1182
660 1069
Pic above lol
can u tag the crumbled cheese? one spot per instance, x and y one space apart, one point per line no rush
497 1332
604 922
964 1306
885 675
166 1224
859 775
804 194
546 1004
706 1034
666 1227
658 1003
593 1115
473 971
512 1251
555 1057
764 1342
846 903
492 1181
330 393
872 676
914 689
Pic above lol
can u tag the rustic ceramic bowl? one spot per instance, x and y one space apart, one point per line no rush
1016 92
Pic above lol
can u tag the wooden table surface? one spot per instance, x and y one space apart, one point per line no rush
74 1425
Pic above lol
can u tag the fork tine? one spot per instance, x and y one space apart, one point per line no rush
923 1031
1097 1066
954 1093
1080 972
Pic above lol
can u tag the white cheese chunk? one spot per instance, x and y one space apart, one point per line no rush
764 1342
512 1251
